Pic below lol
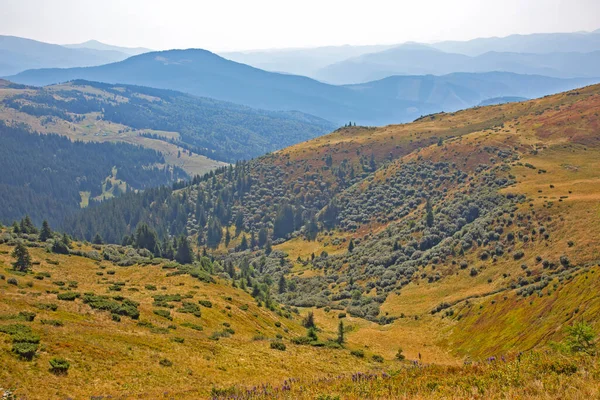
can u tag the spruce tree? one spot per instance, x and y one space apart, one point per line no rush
429 211
282 284
340 335
46 232
351 246
23 259
184 253
97 239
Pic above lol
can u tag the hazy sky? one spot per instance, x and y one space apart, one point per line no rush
252 24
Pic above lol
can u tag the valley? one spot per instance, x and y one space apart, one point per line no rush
384 201
465 227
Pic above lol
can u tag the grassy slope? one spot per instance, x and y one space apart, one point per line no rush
106 356
558 134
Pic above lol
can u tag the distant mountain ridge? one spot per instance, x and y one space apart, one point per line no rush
423 59
202 73
96 45
19 54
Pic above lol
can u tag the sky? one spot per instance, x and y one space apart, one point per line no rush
223 25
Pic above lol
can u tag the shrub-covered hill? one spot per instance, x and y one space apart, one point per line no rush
162 119
49 176
421 222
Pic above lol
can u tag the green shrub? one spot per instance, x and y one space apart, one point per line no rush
59 366
192 326
67 296
278 345
205 303
26 316
25 350
52 322
47 306
163 313
165 363
358 353
377 358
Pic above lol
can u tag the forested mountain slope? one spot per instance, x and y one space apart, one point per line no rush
408 220
168 121
49 176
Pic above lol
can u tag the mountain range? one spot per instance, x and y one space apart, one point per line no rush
19 54
416 59
397 99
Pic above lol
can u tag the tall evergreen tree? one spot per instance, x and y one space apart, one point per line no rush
429 216
340 335
22 256
351 246
184 253
46 232
284 221
282 286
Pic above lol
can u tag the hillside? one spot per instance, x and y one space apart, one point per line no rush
461 238
192 132
20 54
479 169
152 329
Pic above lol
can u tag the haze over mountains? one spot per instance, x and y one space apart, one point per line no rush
19 54
202 73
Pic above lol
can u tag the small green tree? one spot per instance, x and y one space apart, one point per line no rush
429 217
46 232
184 253
581 338
309 320
23 258
98 239
351 246
282 284
340 335
399 355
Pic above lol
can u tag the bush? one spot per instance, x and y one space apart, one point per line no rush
52 322
59 366
377 358
12 281
26 316
205 303
163 313
25 350
358 353
278 345
165 362
68 296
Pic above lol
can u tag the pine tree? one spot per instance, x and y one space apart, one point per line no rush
244 243
263 236
23 259
97 239
351 246
282 286
429 217
284 221
227 237
27 226
268 247
340 335
46 232
309 320
184 253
